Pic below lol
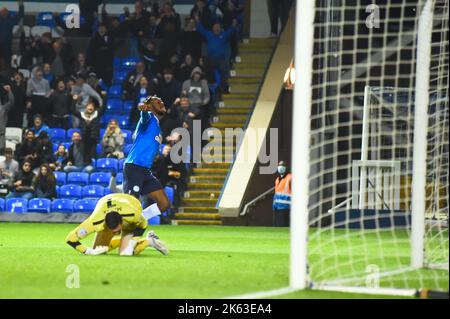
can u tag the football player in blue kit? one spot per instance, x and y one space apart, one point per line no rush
138 179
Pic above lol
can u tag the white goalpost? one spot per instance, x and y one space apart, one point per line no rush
370 153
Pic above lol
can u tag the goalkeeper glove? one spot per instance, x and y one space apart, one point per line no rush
96 251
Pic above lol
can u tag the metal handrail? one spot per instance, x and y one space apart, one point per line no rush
331 210
256 199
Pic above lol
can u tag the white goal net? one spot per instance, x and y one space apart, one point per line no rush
378 212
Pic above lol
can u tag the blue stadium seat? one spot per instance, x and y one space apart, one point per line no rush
55 147
98 149
57 191
57 135
93 191
124 121
114 106
119 178
127 148
107 164
2 205
129 63
61 178
70 132
78 178
70 191
115 91
121 163
116 63
106 191
86 205
39 205
127 106
100 178
170 193
62 205
119 76
45 19
128 135
156 220
16 205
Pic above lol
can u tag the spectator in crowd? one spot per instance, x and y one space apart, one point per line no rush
90 127
144 89
45 183
7 23
197 90
39 126
151 58
191 40
113 141
6 103
62 57
28 51
44 47
8 169
131 82
48 75
101 54
80 66
185 69
82 93
169 88
27 150
169 26
217 46
38 93
178 113
232 10
44 149
153 29
60 102
78 159
97 84
23 182
19 90
89 9
60 157
278 10
203 13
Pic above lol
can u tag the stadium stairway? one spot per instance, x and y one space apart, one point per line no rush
198 207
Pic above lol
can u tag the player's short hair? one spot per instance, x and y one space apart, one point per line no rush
113 219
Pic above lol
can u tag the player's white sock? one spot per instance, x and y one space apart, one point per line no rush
151 211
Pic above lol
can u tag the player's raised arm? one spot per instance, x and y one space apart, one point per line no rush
152 104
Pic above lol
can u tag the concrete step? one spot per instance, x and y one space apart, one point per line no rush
205 186
204 202
230 118
254 58
238 96
213 171
197 209
224 125
202 194
233 111
207 179
214 165
244 88
196 222
196 216
241 80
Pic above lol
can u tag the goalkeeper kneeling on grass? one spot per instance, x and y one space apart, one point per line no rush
118 222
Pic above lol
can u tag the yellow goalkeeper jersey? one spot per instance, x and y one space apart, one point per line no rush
126 205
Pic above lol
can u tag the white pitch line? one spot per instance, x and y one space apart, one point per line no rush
264 294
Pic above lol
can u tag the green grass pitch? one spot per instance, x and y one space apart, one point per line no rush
204 262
